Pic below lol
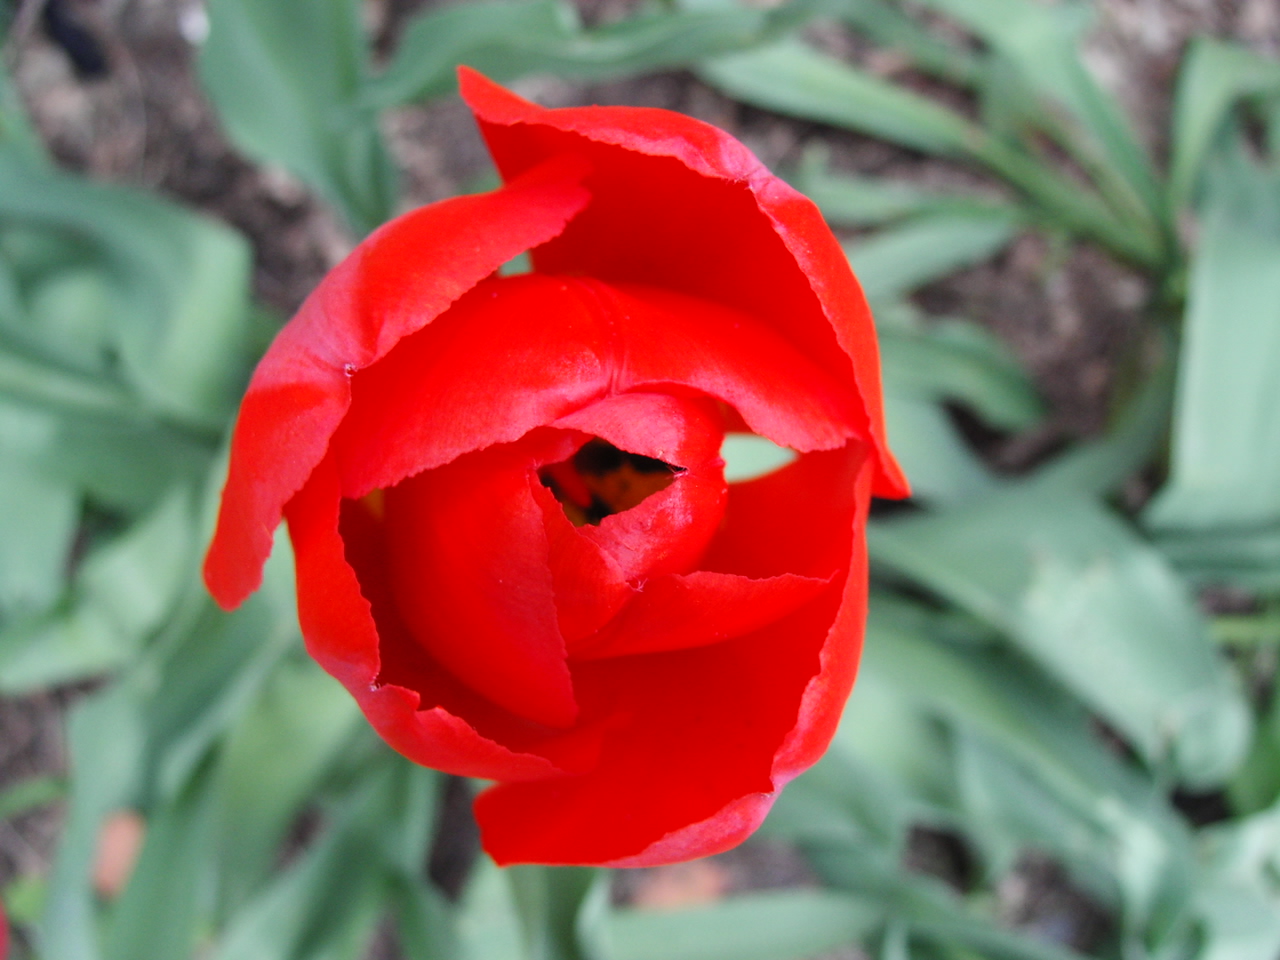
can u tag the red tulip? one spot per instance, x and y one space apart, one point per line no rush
515 544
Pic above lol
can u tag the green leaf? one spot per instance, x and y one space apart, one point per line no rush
1249 559
787 925
890 26
845 803
960 361
869 201
35 382
1257 784
1239 899
747 456
549 901
16 131
942 468
286 78
1078 592
122 466
105 736
1214 76
426 925
325 905
210 666
505 39
123 593
38 519
792 78
951 361
488 920
897 260
1225 470
894 737
500 38
1028 768
177 288
272 762
158 916
18 798
1043 42
1098 466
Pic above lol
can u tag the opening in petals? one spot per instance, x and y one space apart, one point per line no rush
749 457
600 480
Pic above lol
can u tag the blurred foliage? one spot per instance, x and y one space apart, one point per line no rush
1038 675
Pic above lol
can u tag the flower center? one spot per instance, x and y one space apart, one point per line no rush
600 480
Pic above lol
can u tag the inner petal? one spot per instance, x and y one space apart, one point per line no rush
471 575
669 528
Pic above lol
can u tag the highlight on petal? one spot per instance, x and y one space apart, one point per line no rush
396 282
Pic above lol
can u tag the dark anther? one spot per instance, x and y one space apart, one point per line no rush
601 480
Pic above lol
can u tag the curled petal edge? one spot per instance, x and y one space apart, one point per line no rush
380 294
711 153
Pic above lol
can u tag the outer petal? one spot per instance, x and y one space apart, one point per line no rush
711 221
514 354
520 352
668 338
696 732
706 737
340 634
397 281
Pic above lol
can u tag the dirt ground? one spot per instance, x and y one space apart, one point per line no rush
143 120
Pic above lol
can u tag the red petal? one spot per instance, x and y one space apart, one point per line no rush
792 520
668 338
696 732
565 344
589 585
705 737
668 531
682 431
710 221
514 354
341 636
825 696
471 575
402 277
692 610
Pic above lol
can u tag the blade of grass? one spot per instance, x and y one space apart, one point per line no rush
1214 75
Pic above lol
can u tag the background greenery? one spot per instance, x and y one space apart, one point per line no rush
1071 664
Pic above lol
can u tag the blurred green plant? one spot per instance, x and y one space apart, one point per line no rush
1038 676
